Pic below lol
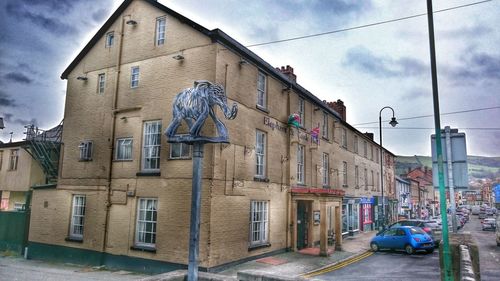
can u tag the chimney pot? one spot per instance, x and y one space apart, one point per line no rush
339 107
288 71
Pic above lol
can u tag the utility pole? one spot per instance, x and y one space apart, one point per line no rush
448 274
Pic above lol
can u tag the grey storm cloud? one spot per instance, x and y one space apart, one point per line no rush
45 21
9 118
99 15
18 77
415 93
477 66
57 6
365 61
6 100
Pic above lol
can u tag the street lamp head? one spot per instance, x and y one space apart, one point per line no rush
393 122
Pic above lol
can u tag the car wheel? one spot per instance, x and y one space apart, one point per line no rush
409 249
374 247
429 251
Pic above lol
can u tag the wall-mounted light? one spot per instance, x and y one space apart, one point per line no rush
131 22
178 57
82 78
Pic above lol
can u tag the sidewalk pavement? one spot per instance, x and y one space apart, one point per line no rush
294 264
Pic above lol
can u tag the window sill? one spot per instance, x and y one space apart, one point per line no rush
73 239
143 249
261 179
263 109
123 160
256 247
84 160
325 139
148 174
181 158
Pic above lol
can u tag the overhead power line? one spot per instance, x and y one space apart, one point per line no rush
431 115
363 26
422 128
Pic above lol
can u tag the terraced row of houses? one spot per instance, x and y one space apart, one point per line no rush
121 195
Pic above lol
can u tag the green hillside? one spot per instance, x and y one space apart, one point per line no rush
479 166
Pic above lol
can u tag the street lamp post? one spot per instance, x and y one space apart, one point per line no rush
393 123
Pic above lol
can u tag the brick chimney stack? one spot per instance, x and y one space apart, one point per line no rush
339 107
369 135
288 71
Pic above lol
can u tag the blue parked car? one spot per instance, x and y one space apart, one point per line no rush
408 238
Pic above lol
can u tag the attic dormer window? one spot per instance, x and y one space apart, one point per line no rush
160 30
110 39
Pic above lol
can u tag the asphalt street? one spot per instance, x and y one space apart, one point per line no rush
389 265
489 252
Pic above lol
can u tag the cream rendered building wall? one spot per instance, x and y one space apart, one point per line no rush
27 174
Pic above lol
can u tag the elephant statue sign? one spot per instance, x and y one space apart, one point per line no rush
194 105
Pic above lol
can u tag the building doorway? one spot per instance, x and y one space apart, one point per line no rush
303 212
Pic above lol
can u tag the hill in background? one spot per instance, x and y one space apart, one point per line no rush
480 167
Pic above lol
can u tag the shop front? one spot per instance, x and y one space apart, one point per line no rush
367 213
350 216
377 211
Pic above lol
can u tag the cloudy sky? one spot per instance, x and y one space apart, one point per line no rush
368 68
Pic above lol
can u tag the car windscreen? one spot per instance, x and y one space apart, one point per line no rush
415 230
432 224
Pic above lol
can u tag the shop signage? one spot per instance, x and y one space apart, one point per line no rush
364 200
316 217
274 124
496 189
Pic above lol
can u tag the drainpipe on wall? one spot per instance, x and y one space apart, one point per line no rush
290 223
112 134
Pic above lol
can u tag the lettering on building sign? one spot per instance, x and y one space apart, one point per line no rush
273 124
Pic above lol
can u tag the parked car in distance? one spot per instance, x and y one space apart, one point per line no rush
497 231
482 215
489 223
476 210
432 228
407 238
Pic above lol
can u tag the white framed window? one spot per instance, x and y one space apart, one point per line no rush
259 223
300 163
77 217
324 130
365 149
300 110
260 154
134 77
344 137
13 159
356 176
326 169
373 181
378 181
151 145
261 90
366 179
110 39
85 151
355 144
160 30
344 174
124 149
145 230
180 151
101 83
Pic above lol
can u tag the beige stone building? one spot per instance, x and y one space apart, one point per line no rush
123 192
18 172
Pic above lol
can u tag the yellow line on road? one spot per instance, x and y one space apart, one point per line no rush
338 265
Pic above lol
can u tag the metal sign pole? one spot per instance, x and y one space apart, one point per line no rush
450 179
194 231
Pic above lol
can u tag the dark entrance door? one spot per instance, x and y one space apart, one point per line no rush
302 224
